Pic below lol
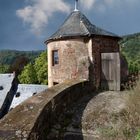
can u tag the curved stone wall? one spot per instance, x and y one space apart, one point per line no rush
33 118
73 60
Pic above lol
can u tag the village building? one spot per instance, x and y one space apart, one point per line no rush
12 93
81 50
81 56
26 91
5 85
8 88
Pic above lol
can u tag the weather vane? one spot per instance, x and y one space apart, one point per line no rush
76 5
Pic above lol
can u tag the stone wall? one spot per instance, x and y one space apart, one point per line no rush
102 45
79 58
73 61
33 119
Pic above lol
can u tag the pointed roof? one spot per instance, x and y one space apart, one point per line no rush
78 25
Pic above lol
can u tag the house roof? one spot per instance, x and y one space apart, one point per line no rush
5 84
78 25
26 91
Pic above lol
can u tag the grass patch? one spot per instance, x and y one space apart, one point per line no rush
131 115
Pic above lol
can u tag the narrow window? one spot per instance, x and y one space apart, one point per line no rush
55 83
55 58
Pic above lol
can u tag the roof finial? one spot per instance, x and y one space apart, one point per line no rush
76 5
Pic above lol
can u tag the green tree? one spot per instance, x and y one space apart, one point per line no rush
9 56
4 68
133 66
28 75
41 66
37 72
18 64
130 47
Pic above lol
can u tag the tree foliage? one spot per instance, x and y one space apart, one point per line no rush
4 68
41 67
28 75
18 64
7 57
130 47
38 71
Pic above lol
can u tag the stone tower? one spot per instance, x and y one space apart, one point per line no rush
81 50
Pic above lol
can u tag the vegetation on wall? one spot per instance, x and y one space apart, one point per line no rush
35 73
132 112
128 117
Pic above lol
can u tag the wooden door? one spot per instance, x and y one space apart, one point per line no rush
110 75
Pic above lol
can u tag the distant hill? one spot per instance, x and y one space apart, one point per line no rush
7 57
130 47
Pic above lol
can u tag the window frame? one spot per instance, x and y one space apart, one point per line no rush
55 57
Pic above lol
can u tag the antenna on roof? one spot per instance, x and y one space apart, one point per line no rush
76 5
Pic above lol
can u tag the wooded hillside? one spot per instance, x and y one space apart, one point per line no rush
7 57
130 47
10 60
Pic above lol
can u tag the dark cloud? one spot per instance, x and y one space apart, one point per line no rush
119 17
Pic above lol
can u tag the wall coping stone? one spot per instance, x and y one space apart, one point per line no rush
22 119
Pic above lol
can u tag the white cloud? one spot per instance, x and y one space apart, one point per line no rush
88 4
109 2
101 5
38 13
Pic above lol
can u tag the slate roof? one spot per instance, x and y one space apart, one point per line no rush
26 91
5 83
78 25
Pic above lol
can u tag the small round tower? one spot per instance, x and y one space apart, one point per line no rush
74 50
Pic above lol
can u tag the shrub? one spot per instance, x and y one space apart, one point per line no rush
138 135
133 109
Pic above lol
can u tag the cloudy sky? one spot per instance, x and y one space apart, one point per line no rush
26 24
